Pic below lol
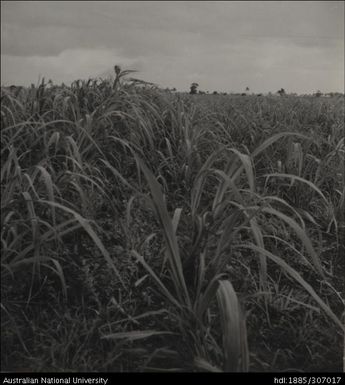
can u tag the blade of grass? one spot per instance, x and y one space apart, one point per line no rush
158 281
296 276
169 234
301 234
88 229
232 331
134 335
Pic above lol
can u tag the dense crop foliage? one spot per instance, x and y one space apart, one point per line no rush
146 230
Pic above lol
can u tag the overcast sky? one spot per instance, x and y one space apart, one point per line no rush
223 46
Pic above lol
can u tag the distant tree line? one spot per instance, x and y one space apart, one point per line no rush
194 90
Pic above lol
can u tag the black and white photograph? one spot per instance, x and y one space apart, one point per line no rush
172 189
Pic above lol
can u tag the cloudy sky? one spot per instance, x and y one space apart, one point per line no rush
223 46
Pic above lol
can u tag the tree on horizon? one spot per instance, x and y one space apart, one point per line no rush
193 88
